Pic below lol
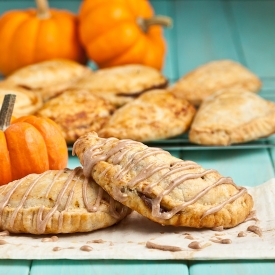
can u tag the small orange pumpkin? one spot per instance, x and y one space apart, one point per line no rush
122 32
29 145
31 36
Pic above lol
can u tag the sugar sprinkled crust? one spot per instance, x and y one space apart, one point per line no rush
214 76
161 187
156 114
57 202
77 112
232 116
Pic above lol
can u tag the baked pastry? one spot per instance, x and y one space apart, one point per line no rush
214 76
122 83
232 116
156 114
161 187
49 78
26 103
57 201
77 112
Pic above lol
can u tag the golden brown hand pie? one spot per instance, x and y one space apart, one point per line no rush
161 187
27 102
212 77
77 112
122 83
49 78
57 202
156 114
232 116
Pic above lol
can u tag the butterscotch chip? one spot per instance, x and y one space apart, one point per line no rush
214 76
26 103
232 116
49 78
161 187
122 83
77 112
156 114
57 202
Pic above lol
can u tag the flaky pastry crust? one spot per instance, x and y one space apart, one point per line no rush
214 76
156 114
57 202
161 187
232 116
26 103
49 78
77 112
121 84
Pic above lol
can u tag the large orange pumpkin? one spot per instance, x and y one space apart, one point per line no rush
121 32
31 36
29 145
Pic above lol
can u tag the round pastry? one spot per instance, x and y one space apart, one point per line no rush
156 114
214 76
77 112
122 83
232 116
49 78
57 201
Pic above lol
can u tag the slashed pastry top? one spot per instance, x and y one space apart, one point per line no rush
232 116
57 201
161 187
120 84
27 102
156 114
77 112
214 76
49 78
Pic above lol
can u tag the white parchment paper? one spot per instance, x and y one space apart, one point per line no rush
127 240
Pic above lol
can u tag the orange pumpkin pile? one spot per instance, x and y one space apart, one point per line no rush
29 145
111 33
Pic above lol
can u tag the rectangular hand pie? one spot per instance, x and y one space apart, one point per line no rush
161 187
57 202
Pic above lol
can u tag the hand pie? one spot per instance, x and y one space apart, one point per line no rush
232 116
156 114
49 78
212 77
161 187
26 103
57 202
122 83
77 112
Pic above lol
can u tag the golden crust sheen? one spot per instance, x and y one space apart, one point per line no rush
232 116
230 215
77 218
26 103
77 112
214 76
49 78
122 83
156 114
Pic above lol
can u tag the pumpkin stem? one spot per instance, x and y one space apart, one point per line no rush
42 9
6 111
161 20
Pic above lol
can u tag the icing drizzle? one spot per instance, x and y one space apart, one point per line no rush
42 220
131 153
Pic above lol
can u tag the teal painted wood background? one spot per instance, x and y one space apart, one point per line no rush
203 31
